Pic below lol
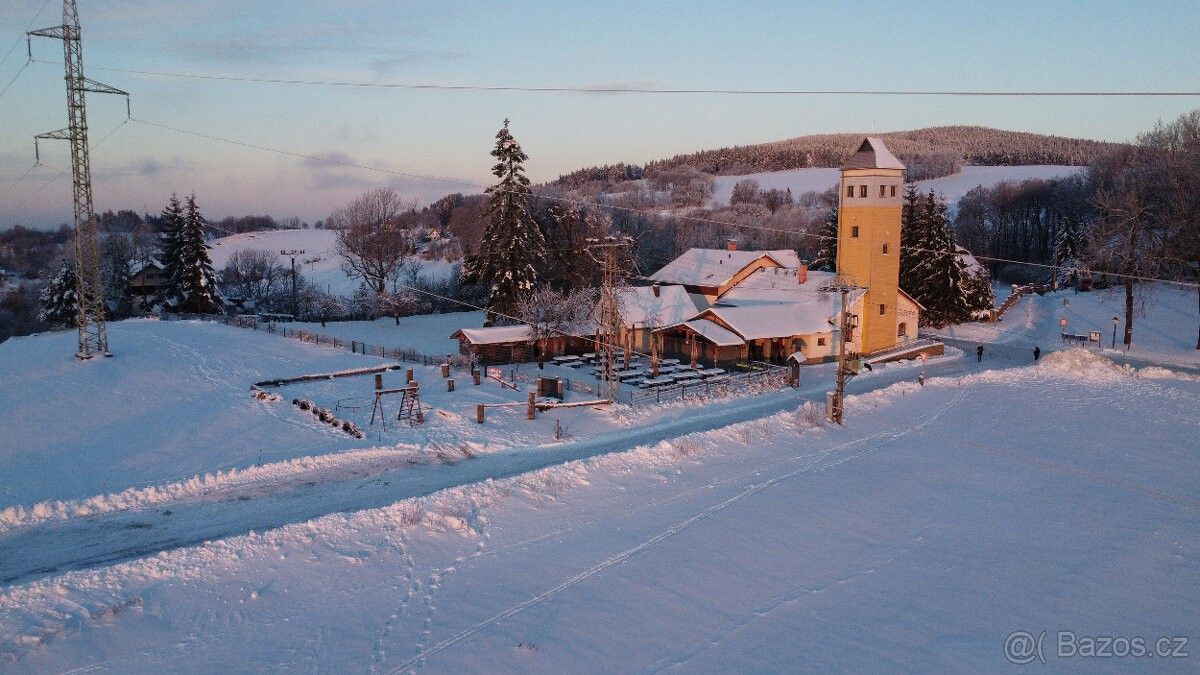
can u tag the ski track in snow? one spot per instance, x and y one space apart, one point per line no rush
755 488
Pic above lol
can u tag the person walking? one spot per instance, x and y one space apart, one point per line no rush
1037 353
979 353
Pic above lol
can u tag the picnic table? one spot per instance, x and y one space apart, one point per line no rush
564 359
669 362
652 382
686 376
631 375
710 372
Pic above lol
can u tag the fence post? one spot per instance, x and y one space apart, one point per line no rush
408 375
531 413
445 370
479 413
450 385
475 376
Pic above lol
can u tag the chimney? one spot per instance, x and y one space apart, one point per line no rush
802 273
656 289
731 245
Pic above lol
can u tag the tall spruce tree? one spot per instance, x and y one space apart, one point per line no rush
826 259
168 249
512 253
197 285
59 302
1068 250
939 276
913 230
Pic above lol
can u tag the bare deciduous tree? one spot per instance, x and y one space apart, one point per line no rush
374 236
551 313
253 273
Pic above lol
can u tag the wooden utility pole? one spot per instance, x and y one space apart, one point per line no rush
846 323
610 328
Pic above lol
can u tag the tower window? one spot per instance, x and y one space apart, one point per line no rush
854 231
882 190
893 190
885 249
820 342
882 310
862 191
850 191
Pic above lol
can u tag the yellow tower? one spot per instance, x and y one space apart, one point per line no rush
868 251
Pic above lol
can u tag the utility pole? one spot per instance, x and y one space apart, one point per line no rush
604 251
295 298
846 324
93 334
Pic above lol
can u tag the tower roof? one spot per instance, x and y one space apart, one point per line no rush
873 154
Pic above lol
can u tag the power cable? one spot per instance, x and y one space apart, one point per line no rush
644 90
28 26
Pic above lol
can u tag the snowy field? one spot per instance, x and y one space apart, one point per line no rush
951 187
938 521
324 266
426 333
1164 327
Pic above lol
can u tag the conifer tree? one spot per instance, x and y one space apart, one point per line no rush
196 283
1068 250
512 253
826 260
913 231
168 248
939 275
59 303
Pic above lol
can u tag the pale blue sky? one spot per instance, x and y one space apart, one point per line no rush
886 45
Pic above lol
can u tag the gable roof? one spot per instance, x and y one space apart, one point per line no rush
494 335
768 321
716 267
671 306
873 154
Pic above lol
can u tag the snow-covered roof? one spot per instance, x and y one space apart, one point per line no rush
873 154
775 285
714 332
494 335
671 306
715 267
773 321
153 262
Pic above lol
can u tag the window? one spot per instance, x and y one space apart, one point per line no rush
882 310
893 190
882 190
862 191
820 342
849 190
902 330
885 249
854 231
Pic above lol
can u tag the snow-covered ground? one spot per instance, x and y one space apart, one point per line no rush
952 188
937 522
426 333
321 263
1164 327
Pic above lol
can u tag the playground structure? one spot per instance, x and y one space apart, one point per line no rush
410 401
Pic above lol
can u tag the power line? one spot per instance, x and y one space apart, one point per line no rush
626 209
644 90
14 79
21 37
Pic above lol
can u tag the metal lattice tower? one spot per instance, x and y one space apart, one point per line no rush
604 251
93 335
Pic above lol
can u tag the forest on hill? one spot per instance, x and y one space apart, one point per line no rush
929 153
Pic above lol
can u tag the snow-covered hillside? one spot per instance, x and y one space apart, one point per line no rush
937 522
951 187
319 263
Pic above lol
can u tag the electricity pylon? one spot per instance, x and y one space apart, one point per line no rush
93 335
609 324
